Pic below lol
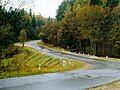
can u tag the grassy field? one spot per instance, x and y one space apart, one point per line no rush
111 86
31 62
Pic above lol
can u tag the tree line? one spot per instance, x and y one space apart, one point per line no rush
13 21
86 26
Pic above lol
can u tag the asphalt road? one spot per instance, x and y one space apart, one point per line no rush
102 72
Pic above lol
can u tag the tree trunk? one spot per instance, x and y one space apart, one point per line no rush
22 44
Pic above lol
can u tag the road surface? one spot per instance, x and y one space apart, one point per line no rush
102 72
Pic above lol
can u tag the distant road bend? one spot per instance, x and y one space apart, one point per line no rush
102 72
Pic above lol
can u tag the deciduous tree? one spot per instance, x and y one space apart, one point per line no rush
22 36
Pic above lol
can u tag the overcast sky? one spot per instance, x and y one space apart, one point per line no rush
47 7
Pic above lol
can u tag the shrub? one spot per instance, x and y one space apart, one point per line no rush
10 51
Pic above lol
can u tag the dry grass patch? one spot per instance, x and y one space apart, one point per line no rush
111 86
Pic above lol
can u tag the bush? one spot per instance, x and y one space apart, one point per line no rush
10 51
43 37
90 50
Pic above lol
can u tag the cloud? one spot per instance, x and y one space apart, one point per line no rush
47 8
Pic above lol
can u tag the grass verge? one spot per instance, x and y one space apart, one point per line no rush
31 62
109 59
52 47
110 86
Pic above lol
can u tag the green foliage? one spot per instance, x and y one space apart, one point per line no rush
33 21
18 19
62 8
11 24
6 37
95 2
22 36
112 3
114 36
107 3
69 31
49 32
43 37
9 52
81 26
40 20
6 30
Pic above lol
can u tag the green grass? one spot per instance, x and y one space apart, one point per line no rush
51 47
31 62
111 86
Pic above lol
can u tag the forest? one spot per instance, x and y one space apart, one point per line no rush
14 21
85 26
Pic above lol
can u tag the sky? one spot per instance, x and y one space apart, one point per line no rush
47 8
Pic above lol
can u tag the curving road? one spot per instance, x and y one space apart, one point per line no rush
102 72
